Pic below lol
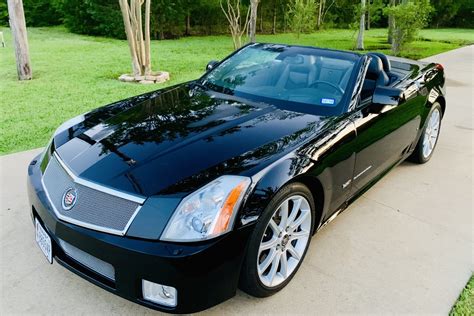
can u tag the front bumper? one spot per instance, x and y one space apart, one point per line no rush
204 273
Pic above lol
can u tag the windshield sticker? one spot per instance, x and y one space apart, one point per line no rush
328 101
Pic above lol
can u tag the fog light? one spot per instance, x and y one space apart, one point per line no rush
159 294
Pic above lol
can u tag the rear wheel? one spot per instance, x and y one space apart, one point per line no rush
279 242
429 137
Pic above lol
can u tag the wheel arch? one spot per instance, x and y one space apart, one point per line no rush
442 101
273 180
316 188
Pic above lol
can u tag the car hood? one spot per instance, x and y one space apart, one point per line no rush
175 140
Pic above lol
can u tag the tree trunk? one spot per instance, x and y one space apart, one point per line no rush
236 26
360 37
130 36
397 34
147 38
261 22
274 18
391 24
140 41
20 39
396 41
320 13
253 20
368 15
188 24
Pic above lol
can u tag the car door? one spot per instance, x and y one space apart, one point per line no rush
386 131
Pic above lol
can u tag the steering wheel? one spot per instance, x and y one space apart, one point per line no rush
332 85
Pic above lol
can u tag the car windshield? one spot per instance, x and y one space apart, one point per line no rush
288 75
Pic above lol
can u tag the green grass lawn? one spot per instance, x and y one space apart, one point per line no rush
465 304
74 73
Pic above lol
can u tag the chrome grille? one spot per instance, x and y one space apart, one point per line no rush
93 209
95 264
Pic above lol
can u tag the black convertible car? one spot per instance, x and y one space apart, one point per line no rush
175 198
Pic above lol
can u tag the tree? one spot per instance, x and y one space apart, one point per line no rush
391 21
233 16
274 16
20 39
408 18
320 12
93 17
368 10
323 9
42 12
3 13
445 11
301 15
360 37
374 10
253 20
138 37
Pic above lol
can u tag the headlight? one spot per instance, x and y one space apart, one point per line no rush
208 212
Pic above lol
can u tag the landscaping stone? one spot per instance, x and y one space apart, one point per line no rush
158 77
146 81
126 78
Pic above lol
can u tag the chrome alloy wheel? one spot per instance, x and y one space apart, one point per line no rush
431 133
284 241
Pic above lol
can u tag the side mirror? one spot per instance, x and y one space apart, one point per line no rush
385 97
211 65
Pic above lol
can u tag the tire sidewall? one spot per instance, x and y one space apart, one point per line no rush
249 270
421 157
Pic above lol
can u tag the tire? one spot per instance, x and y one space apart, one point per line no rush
290 243
425 148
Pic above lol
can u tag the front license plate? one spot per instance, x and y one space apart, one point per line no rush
44 241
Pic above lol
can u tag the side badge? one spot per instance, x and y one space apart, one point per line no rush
433 96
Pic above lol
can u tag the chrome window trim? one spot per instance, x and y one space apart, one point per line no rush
98 188
359 84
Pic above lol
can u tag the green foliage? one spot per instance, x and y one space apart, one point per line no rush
3 13
465 15
410 17
300 16
207 18
375 8
452 13
343 13
168 17
42 12
93 17
175 18
465 302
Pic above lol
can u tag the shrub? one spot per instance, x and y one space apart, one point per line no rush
3 13
301 16
409 18
42 12
94 17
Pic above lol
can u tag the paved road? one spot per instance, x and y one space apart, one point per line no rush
406 246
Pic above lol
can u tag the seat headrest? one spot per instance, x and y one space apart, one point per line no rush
294 60
375 68
384 59
376 71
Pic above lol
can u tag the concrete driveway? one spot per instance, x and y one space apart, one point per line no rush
405 247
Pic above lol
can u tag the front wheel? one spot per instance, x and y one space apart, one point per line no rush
429 137
279 242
